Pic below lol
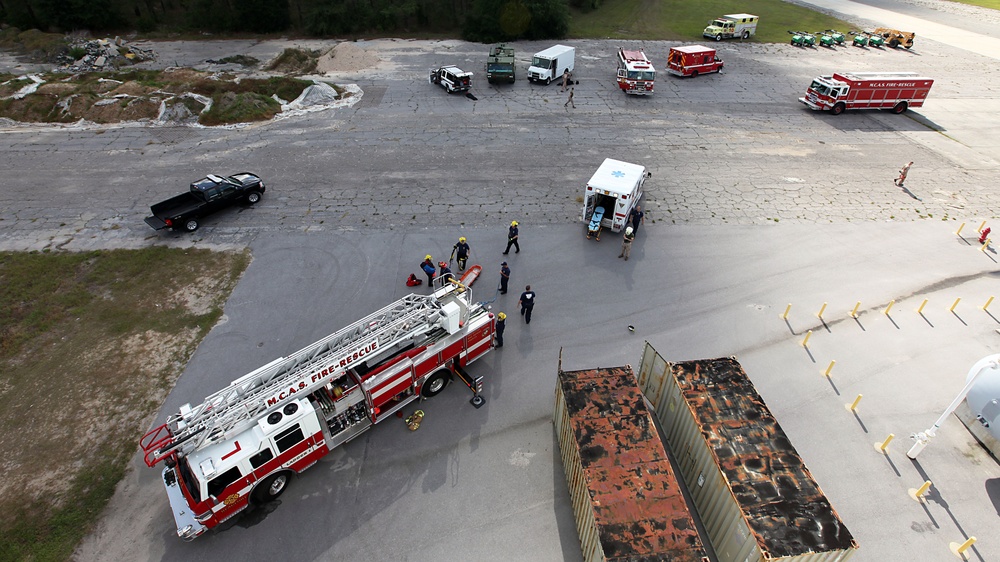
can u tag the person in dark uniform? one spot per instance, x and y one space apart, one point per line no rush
428 267
512 239
527 302
504 277
636 217
501 326
461 251
446 273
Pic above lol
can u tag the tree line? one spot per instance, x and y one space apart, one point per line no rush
473 20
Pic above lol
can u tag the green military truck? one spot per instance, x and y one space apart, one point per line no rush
500 64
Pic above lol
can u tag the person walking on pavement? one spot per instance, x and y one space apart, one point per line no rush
501 326
512 239
446 273
504 277
428 267
566 80
636 217
627 242
527 302
902 175
461 251
570 100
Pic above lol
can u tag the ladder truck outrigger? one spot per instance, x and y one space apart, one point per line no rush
244 442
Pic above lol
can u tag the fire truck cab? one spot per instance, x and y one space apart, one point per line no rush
636 74
897 91
243 443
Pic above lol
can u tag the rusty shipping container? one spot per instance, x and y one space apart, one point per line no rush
751 489
626 499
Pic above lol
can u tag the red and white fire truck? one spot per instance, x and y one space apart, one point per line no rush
243 443
897 91
635 73
692 60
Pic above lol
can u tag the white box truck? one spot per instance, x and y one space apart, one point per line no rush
549 65
610 195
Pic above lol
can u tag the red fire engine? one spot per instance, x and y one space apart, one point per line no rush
692 60
243 443
897 91
635 73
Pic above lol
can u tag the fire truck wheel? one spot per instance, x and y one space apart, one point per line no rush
694 73
191 225
272 487
899 108
435 384
837 109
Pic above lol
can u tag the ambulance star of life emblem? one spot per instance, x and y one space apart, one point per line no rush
618 174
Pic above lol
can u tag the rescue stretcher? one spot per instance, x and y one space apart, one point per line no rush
470 276
594 229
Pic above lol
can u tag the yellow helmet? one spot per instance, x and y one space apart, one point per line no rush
513 223
502 316
461 239
427 257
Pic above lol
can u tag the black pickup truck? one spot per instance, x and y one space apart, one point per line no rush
206 196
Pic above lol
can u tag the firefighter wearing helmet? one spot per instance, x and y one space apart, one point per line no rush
627 243
446 274
512 239
501 325
428 267
461 251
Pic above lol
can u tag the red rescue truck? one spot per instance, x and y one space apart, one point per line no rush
635 73
692 60
897 91
243 443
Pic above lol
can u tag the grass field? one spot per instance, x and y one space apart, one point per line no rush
90 345
683 20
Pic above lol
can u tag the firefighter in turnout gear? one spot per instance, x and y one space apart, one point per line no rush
461 251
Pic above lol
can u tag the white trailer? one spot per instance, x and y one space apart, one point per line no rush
548 65
612 192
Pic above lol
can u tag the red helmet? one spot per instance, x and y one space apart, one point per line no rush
442 264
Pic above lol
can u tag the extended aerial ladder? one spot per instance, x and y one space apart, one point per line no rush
238 406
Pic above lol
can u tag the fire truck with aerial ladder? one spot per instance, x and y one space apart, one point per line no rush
896 91
635 73
243 443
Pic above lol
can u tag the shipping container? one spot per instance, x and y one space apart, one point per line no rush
751 489
626 499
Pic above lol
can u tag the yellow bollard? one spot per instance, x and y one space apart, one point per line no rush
959 549
959 231
785 315
881 447
805 342
888 308
954 304
988 302
919 493
828 369
853 406
922 305
980 229
984 246
821 310
854 311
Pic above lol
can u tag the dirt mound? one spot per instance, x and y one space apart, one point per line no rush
132 89
129 109
346 57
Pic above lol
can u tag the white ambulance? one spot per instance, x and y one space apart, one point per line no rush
611 193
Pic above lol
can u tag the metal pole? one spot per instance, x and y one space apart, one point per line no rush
921 439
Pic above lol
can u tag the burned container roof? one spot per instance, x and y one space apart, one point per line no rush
782 503
637 506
